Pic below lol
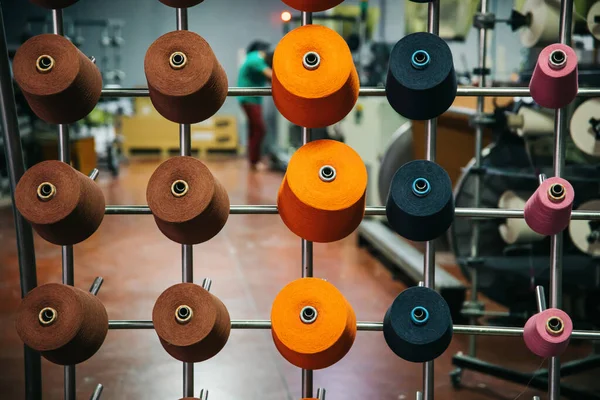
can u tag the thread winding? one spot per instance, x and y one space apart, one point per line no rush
547 334
548 210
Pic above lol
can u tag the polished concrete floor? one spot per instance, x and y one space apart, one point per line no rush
249 262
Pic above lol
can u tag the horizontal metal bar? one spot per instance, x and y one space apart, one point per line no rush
365 91
479 213
367 326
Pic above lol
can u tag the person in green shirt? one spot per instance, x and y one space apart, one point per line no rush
254 72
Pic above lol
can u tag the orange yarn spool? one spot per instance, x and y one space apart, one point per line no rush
313 325
312 5
315 83
322 196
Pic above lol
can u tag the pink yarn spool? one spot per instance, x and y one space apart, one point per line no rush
554 81
547 334
548 210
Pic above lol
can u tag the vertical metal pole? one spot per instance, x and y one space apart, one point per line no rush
24 233
307 251
187 251
68 275
477 197
433 26
556 244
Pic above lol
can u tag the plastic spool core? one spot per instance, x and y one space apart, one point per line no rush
327 173
179 188
183 314
558 59
44 63
47 316
420 59
178 60
308 314
557 192
421 187
419 315
555 326
311 60
46 191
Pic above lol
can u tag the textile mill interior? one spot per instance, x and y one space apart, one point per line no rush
300 199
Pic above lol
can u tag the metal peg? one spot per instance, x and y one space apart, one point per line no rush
540 298
207 283
93 59
321 392
97 393
96 285
419 396
204 394
94 174
536 398
421 284
542 178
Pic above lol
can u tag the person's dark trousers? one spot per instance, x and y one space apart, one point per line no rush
256 130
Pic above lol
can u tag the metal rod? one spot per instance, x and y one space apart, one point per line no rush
203 394
365 92
24 234
94 174
460 212
97 393
57 22
70 382
96 285
365 326
556 243
185 139
182 19
540 298
321 394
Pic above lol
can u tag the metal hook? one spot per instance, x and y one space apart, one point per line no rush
94 174
204 394
540 298
96 285
321 392
97 393
207 283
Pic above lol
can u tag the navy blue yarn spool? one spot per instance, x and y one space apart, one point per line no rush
418 338
420 205
420 87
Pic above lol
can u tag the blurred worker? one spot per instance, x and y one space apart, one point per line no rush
255 72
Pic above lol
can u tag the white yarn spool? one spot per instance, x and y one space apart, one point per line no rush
544 27
581 230
535 122
593 26
515 230
582 131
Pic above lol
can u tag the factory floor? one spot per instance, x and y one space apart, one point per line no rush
249 262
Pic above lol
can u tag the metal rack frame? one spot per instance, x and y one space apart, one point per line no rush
26 250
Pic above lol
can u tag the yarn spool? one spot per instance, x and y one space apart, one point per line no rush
515 230
313 325
322 196
186 82
312 5
547 334
181 3
60 83
189 205
418 325
585 127
65 324
592 24
544 23
548 210
535 122
54 4
420 205
63 205
554 80
421 82
192 324
315 83
586 234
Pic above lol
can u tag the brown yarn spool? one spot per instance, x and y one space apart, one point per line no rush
181 3
189 205
198 335
59 82
186 82
63 205
65 324
54 4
